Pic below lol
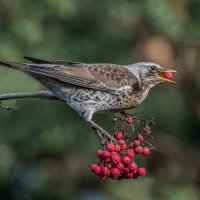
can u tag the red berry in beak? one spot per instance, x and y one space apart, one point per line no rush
168 75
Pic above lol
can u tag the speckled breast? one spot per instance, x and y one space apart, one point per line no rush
124 101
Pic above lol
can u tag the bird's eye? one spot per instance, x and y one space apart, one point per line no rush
153 68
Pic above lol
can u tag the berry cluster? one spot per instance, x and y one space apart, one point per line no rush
117 159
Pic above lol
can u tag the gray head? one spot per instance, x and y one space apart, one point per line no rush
149 74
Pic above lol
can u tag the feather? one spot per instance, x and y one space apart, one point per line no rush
101 76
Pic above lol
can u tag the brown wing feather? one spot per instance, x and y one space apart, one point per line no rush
59 62
104 77
113 76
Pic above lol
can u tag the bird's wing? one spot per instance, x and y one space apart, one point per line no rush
103 77
59 62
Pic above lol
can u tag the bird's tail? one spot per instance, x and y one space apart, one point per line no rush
14 65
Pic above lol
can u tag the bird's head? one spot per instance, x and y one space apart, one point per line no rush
150 74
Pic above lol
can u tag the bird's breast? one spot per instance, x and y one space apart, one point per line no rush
125 100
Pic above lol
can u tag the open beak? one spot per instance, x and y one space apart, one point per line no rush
164 78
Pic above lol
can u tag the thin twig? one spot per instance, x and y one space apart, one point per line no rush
101 133
5 107
22 95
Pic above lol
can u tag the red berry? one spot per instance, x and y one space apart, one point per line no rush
95 169
131 145
146 151
129 120
107 159
140 137
138 149
119 165
113 153
126 170
110 146
135 176
168 75
141 171
105 171
115 173
121 142
99 153
130 153
118 134
105 154
136 142
147 130
115 158
129 175
117 147
133 167
126 160
124 147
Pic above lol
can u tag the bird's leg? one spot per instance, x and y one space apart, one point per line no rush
101 133
100 136
124 114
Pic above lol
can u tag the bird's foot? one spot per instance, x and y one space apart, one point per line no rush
103 135
124 114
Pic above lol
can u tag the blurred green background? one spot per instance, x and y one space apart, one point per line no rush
45 149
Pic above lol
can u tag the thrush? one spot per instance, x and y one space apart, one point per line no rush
95 88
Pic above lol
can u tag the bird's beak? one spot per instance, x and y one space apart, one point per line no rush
164 78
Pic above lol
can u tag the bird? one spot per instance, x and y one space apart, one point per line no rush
95 88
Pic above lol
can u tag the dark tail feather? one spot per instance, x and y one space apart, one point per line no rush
58 62
12 64
38 61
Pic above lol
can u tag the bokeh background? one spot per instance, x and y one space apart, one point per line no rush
45 149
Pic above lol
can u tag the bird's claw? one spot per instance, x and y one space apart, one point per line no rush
104 136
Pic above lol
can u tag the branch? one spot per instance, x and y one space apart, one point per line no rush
19 95
40 94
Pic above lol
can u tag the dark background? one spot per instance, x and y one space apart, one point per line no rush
45 149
